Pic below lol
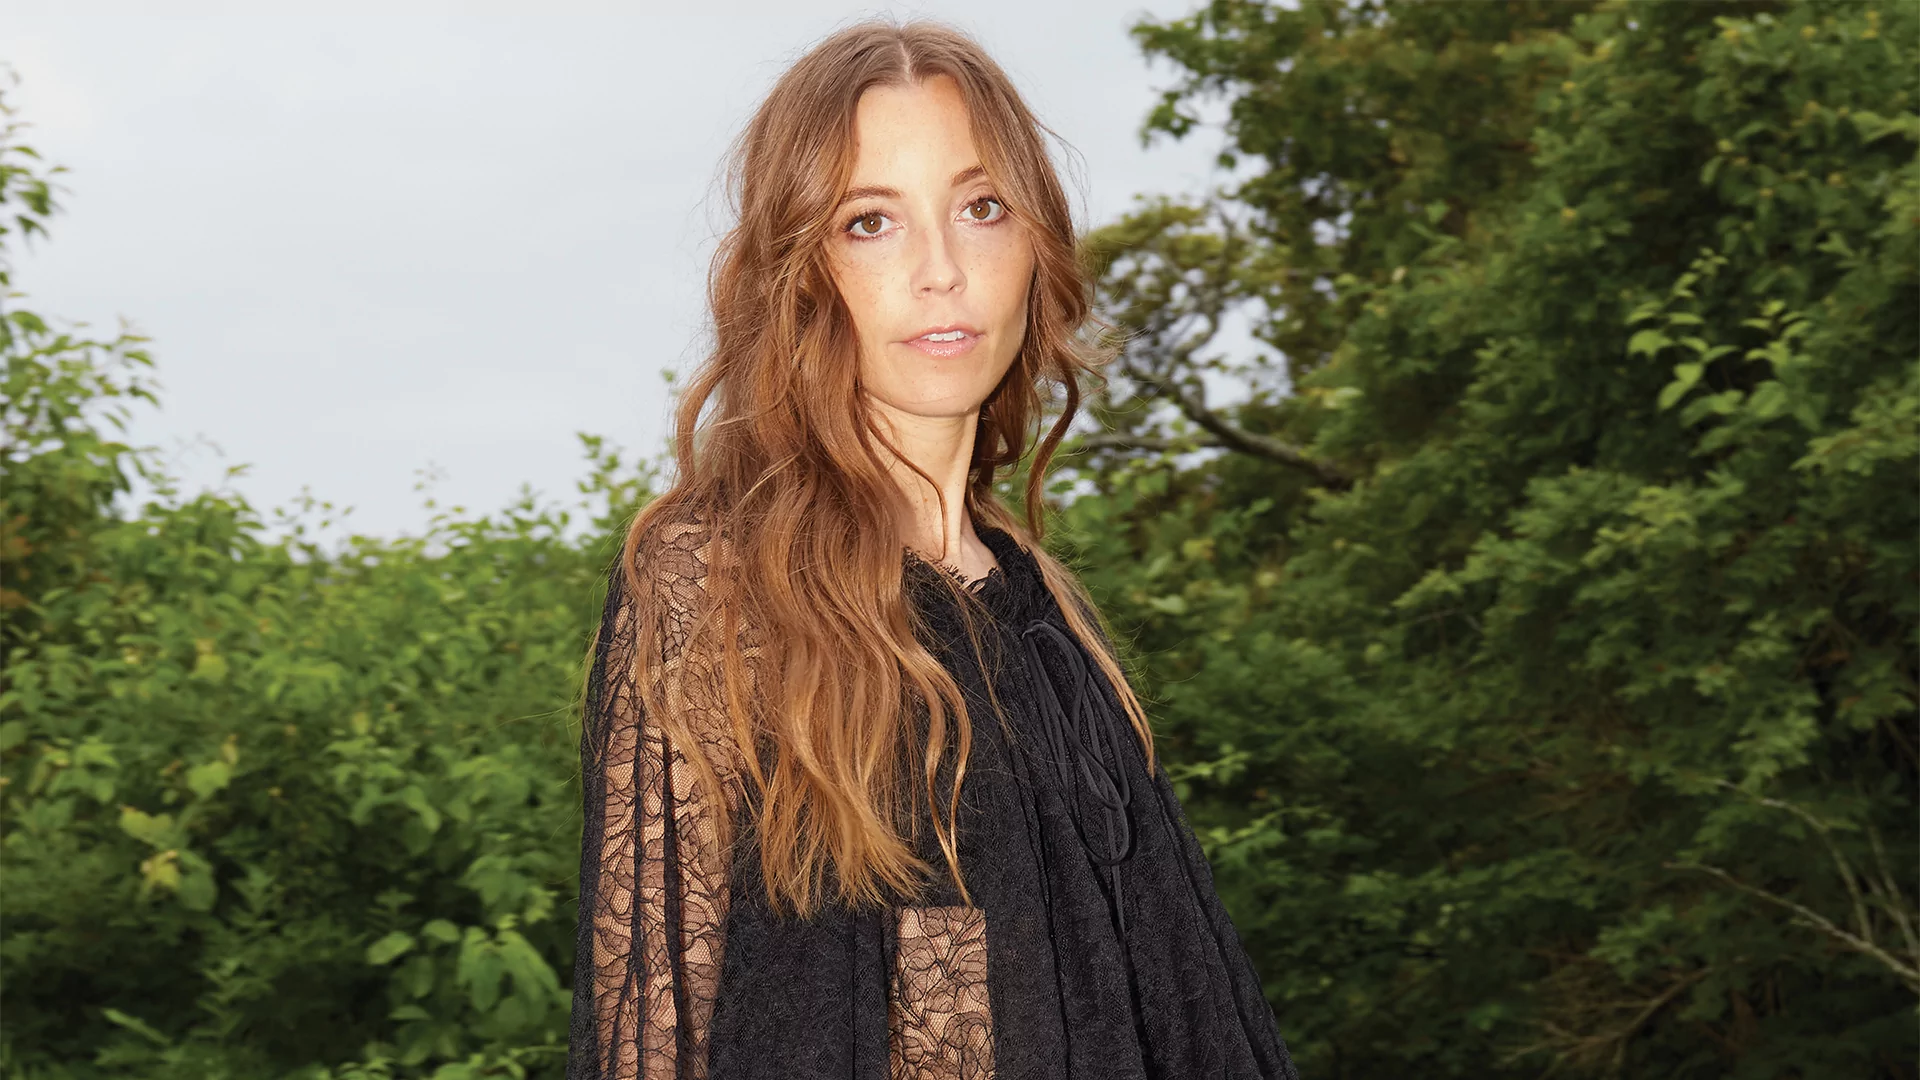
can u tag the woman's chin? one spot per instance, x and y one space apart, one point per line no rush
938 399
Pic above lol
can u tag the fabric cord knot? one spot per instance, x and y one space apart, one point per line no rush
1081 739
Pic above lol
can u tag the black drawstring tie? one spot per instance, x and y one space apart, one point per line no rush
1085 735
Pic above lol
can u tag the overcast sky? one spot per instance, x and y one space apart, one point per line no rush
365 246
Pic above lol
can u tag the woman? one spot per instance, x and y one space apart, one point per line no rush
867 795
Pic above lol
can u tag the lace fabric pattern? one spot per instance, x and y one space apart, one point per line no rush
939 1023
654 886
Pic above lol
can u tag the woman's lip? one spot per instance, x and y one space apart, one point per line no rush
944 349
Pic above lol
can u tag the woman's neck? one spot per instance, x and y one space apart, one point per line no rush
941 447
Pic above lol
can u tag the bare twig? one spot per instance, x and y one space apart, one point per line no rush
1863 888
1824 830
1626 1034
1120 440
1895 902
1192 404
1805 916
1585 1050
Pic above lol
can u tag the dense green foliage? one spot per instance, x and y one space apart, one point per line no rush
272 809
1538 661
1551 650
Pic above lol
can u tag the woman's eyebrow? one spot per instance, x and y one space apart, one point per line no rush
964 176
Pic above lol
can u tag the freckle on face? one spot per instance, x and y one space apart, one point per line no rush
938 260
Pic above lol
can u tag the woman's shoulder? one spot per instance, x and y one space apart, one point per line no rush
659 582
674 530
664 573
669 552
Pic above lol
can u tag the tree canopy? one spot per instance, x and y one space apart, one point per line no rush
1544 657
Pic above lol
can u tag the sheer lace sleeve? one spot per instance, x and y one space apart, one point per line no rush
653 886
939 1023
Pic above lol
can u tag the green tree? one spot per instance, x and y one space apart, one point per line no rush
1540 653
269 809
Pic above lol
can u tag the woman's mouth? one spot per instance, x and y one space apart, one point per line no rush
957 341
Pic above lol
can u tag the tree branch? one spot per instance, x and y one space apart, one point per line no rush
1171 329
1895 902
1159 444
1807 917
1862 887
1193 406
1625 1035
1821 828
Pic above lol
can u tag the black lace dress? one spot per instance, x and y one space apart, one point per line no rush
1096 947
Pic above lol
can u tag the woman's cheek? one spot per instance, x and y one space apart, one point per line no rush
860 286
1005 260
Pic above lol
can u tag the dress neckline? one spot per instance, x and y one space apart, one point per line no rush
976 586
995 583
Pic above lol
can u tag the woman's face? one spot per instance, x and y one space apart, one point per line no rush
926 258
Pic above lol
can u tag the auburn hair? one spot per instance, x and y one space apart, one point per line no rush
789 471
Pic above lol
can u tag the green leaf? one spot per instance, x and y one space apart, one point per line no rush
204 780
1647 342
210 667
442 931
1685 376
414 798
154 829
137 1026
197 889
1168 605
390 948
1769 399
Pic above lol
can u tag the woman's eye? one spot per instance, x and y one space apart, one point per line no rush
983 210
868 224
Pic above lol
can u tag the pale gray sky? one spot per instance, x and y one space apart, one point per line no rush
366 245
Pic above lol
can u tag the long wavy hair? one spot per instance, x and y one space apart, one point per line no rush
790 472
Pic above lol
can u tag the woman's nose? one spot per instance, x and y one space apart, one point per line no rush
936 269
